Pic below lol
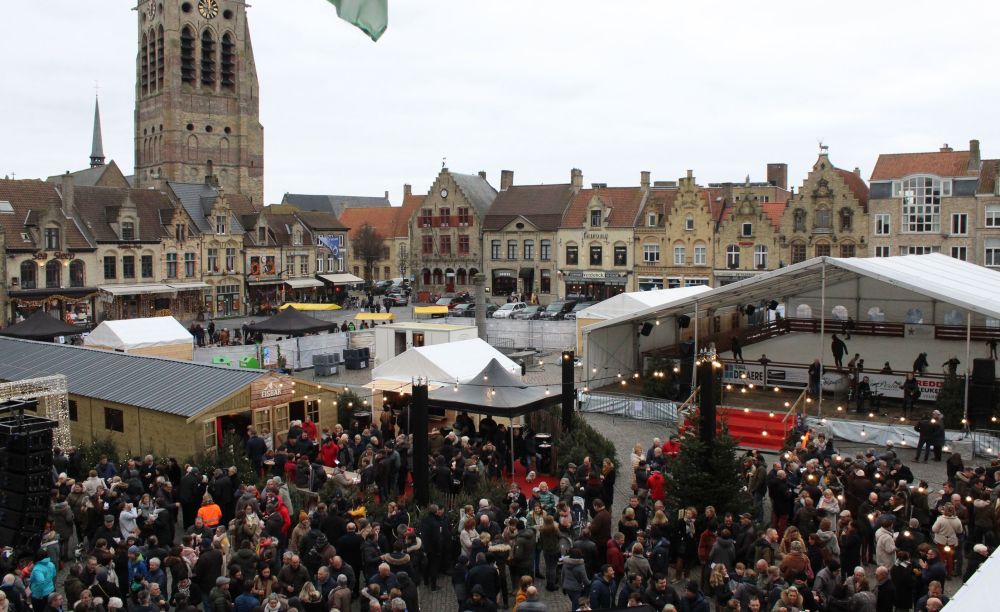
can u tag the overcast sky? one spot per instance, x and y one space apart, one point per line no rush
535 86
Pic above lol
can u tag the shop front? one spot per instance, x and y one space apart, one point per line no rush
140 300
304 290
74 306
594 285
263 296
650 283
504 282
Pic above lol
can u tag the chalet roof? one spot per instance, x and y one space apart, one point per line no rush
542 205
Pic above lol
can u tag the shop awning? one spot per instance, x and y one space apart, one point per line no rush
374 316
309 306
137 289
341 279
270 281
429 310
303 283
190 286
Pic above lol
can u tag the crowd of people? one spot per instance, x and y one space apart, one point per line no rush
837 533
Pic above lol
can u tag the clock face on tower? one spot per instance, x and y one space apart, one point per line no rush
209 9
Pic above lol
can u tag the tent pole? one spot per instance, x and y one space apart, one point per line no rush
968 366
510 431
822 334
694 370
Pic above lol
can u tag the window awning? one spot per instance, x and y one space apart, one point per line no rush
190 286
137 289
303 283
341 279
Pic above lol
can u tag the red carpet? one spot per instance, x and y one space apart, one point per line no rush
758 429
526 487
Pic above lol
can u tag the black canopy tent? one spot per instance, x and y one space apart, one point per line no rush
41 326
291 321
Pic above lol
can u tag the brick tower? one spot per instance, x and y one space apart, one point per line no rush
197 97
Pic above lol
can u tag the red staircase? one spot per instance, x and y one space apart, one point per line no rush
755 428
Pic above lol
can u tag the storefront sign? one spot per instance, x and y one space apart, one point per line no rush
270 391
595 235
596 275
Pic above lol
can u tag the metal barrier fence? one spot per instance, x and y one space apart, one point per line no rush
986 443
631 406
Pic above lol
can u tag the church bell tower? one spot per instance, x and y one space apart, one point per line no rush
197 97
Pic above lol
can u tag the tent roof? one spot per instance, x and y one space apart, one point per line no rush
494 390
446 363
935 276
977 593
290 321
40 326
634 301
138 333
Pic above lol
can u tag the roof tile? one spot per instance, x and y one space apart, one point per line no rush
941 163
624 203
542 205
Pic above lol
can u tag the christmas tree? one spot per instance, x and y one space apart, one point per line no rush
702 475
951 401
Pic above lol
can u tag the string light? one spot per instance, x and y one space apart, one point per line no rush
770 414
777 389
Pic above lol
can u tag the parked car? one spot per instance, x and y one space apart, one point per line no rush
398 298
452 301
528 314
462 310
508 310
557 310
580 306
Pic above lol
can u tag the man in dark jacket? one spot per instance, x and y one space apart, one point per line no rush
207 569
600 528
885 591
660 593
602 588
693 600
349 547
484 575
478 602
839 349
219 597
434 537
189 495
223 493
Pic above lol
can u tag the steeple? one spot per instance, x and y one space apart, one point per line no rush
97 148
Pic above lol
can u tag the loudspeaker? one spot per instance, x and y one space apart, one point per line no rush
983 371
982 402
25 475
772 305
647 328
749 309
683 321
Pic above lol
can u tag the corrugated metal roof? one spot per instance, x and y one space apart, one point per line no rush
183 388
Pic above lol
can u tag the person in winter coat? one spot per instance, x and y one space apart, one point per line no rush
574 576
637 564
221 600
42 580
885 545
523 552
340 596
602 588
615 556
947 529
62 518
693 600
724 551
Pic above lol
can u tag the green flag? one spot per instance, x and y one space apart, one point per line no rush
371 16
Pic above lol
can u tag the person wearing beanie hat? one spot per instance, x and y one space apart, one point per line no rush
115 603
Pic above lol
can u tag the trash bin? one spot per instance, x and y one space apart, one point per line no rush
222 361
249 362
363 417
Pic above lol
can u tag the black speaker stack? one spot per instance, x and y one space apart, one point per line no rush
25 475
647 328
982 393
686 367
357 358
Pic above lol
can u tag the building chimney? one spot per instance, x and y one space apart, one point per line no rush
777 175
576 178
482 174
945 148
857 170
66 191
506 179
974 158
386 194
644 179
407 190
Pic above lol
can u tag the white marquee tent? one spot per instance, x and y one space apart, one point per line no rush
927 289
440 364
162 336
634 301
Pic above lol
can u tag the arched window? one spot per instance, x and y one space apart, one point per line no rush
438 276
460 277
77 273
192 148
700 254
187 56
824 219
760 257
803 311
152 61
53 274
425 275
680 254
875 313
144 65
472 273
733 256
799 220
224 151
914 316
846 220
29 273
160 60
208 68
839 312
228 72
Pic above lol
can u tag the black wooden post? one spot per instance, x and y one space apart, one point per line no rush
418 425
568 395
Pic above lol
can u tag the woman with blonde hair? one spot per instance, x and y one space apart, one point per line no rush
791 601
719 585
468 536
608 482
522 590
792 534
637 455
947 529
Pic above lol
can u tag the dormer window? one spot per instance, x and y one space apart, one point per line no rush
128 230
220 224
651 219
180 232
52 239
595 217
261 235
747 230
297 236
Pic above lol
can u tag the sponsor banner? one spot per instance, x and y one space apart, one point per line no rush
797 377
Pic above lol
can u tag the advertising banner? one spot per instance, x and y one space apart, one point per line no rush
797 377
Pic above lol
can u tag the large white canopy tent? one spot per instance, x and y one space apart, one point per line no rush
929 289
441 364
161 336
978 592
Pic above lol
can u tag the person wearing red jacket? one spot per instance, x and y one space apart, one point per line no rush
614 555
671 447
656 483
328 453
309 429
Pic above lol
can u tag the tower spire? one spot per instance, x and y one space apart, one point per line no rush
97 147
